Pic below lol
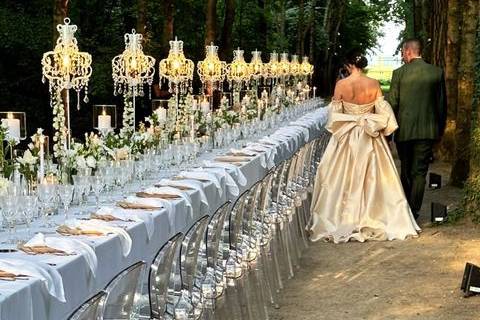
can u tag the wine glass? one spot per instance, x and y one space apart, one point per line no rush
9 212
46 194
65 192
29 211
98 184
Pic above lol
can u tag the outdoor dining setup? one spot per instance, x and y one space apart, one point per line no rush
197 212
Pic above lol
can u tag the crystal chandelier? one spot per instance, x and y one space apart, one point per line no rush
306 68
284 66
271 69
211 69
132 69
66 67
238 70
295 68
177 69
256 65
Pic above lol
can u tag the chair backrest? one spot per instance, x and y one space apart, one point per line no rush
265 192
215 232
190 266
235 221
162 275
121 292
92 309
250 209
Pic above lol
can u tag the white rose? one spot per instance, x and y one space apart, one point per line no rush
39 131
91 162
31 146
81 163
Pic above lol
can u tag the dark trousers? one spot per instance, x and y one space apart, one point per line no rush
415 157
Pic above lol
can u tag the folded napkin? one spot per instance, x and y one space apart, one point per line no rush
270 152
171 191
67 245
232 186
243 152
48 275
191 184
129 215
240 177
234 159
95 225
203 175
133 202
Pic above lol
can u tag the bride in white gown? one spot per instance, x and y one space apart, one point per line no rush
358 194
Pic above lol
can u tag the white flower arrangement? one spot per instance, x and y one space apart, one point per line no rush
128 116
4 184
60 135
28 159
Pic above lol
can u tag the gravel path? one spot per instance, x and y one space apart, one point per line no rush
413 279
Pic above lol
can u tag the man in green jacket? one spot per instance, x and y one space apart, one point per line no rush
417 96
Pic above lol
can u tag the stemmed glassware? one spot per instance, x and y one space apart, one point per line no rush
97 182
65 192
29 211
46 195
9 213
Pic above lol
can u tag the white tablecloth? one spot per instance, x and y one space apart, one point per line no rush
29 300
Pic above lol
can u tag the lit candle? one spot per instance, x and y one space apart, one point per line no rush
260 106
264 94
162 114
192 126
205 106
194 104
314 89
41 171
104 121
13 126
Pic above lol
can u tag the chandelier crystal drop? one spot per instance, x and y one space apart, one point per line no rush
66 67
132 69
177 69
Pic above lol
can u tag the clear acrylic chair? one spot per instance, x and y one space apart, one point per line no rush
213 284
190 303
163 279
121 292
92 309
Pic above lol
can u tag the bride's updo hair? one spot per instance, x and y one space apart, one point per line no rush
356 58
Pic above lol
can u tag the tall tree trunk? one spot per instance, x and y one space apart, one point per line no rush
263 25
211 22
461 163
439 27
226 44
168 11
283 18
300 27
447 146
141 16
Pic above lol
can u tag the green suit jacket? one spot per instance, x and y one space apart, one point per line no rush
417 95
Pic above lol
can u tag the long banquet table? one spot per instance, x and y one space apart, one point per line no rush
29 300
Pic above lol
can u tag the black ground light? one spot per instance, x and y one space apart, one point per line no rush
434 180
438 212
471 280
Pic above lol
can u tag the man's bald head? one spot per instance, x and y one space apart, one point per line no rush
411 49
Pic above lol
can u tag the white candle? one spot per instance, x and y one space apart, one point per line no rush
314 89
162 114
104 121
194 104
260 106
41 171
192 126
264 94
13 126
205 106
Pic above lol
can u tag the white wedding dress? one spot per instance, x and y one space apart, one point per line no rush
358 194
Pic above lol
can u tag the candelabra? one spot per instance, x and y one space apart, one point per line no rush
295 68
178 70
284 66
271 69
212 71
306 69
65 68
256 66
131 71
